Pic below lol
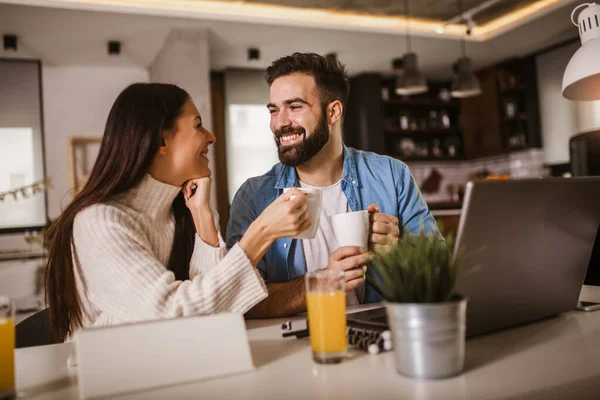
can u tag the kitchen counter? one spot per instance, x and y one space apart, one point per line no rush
557 358
444 205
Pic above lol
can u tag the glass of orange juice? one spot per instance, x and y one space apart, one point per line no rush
326 304
7 348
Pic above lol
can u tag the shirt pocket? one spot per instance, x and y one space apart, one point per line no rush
276 262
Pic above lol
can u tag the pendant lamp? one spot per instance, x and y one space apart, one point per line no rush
409 79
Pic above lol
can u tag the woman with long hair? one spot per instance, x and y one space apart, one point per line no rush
140 242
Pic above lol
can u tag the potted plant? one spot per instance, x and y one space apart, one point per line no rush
417 279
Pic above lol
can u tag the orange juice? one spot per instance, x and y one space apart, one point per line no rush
7 351
327 321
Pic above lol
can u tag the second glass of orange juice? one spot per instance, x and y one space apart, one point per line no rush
326 304
7 348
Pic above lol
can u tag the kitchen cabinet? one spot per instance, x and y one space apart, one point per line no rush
505 116
434 127
412 128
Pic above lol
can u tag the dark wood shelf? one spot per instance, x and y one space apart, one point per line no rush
500 152
416 132
514 89
518 149
428 158
461 157
521 117
421 103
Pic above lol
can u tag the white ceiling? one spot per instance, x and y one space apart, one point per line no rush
60 36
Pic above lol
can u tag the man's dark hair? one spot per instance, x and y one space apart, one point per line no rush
330 75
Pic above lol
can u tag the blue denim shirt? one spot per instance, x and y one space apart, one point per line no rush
366 178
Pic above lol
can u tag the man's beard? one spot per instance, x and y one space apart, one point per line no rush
307 148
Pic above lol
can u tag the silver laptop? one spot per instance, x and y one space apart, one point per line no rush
538 237
590 292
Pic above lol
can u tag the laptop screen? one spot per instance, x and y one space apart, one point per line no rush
592 276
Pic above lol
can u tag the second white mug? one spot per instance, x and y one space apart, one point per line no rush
351 229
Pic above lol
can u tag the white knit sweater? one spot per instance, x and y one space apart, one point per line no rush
123 247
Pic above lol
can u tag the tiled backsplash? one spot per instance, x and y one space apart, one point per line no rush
523 164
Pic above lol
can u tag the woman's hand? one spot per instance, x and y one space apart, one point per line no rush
197 199
197 194
287 216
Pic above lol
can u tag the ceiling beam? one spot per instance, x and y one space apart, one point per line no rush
310 18
470 13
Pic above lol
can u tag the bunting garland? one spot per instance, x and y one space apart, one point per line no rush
28 190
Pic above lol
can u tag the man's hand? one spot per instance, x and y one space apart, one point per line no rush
352 261
384 228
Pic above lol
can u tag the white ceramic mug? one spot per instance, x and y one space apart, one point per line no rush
351 229
314 198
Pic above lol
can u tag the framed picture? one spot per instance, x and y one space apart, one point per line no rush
82 153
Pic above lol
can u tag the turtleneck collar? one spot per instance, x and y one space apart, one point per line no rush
152 198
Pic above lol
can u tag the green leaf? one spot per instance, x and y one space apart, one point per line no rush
420 268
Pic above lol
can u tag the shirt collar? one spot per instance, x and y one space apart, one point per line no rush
286 176
349 174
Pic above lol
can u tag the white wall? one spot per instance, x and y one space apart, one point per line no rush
561 118
184 60
77 100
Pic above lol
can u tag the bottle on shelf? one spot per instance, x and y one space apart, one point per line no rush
436 149
433 119
403 120
445 119
422 149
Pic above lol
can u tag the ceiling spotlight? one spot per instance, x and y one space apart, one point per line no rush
470 25
253 54
114 48
10 42
440 29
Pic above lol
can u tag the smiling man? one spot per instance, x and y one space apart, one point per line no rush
308 94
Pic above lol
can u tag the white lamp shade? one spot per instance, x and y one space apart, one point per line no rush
582 75
581 80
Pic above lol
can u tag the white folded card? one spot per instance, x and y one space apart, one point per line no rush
145 355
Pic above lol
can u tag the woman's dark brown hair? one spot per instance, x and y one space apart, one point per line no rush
132 138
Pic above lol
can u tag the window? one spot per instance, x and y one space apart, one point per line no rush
21 146
251 150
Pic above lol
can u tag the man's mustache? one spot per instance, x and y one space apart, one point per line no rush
289 129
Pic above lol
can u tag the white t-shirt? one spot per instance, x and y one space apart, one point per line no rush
318 250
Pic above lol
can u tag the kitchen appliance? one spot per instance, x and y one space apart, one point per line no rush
584 150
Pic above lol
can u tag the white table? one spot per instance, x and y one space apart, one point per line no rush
558 358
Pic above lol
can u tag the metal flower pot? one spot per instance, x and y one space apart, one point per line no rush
429 338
